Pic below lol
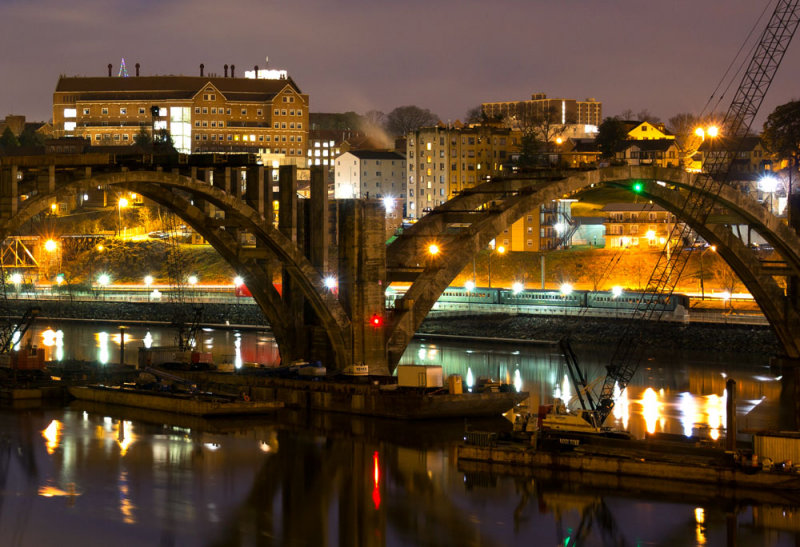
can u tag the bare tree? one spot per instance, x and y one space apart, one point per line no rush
404 119
540 128
475 115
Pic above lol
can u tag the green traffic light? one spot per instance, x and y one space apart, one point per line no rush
638 187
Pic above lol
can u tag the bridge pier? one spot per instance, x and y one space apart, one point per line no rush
362 280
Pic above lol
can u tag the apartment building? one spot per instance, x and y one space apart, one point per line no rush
444 160
640 225
201 113
567 111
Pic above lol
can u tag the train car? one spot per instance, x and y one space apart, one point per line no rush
629 301
478 295
543 298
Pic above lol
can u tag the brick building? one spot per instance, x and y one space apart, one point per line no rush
201 113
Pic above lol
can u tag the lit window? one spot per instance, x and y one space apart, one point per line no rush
69 126
162 111
252 138
70 112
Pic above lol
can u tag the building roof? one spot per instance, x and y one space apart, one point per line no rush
650 145
171 87
632 207
376 155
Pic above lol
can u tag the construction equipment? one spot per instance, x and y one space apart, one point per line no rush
699 201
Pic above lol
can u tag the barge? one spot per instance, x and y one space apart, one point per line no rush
192 404
681 462
365 396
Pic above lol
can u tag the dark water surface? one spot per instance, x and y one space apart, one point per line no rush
94 475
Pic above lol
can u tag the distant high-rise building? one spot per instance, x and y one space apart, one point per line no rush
563 111
201 113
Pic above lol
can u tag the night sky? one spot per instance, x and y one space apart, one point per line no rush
445 55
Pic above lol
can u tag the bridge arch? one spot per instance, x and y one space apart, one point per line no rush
182 195
482 213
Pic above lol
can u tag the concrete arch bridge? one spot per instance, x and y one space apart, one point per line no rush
232 208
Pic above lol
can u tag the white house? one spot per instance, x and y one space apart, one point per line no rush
370 174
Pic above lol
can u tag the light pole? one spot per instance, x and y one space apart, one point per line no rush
702 286
120 204
500 250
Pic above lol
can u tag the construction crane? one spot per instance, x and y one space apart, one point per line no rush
699 200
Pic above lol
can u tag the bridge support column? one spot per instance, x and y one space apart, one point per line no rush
362 280
9 190
46 181
288 225
793 281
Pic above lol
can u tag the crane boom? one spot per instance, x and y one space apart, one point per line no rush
699 200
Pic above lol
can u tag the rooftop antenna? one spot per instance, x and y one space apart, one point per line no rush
123 72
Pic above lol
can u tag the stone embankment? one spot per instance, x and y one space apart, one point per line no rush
672 337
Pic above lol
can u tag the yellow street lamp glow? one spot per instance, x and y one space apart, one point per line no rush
713 248
50 245
713 131
123 203
517 287
559 140
16 278
651 234
699 132
433 249
469 286
565 289
238 280
53 207
616 291
501 249
148 280
192 280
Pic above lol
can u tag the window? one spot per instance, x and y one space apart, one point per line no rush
213 97
123 111
230 137
196 110
69 126
213 124
205 110
97 137
299 139
141 110
228 111
197 123
261 138
205 96
283 112
205 123
213 137
213 110
299 125
286 99
283 125
259 112
277 112
104 110
276 125
291 125
70 112
196 137
222 124
85 111
299 112
205 137
244 112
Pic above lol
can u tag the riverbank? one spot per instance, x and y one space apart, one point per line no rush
672 337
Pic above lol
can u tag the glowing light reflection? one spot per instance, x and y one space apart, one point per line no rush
517 381
52 434
470 379
102 343
689 413
651 409
621 406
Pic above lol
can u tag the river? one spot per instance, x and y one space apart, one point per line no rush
92 475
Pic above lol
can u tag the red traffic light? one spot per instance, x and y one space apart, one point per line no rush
376 321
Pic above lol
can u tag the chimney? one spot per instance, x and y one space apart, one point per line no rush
137 69
226 71
202 66
233 67
109 70
255 68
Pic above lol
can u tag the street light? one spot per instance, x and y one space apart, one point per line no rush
330 282
500 250
565 289
148 280
769 184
